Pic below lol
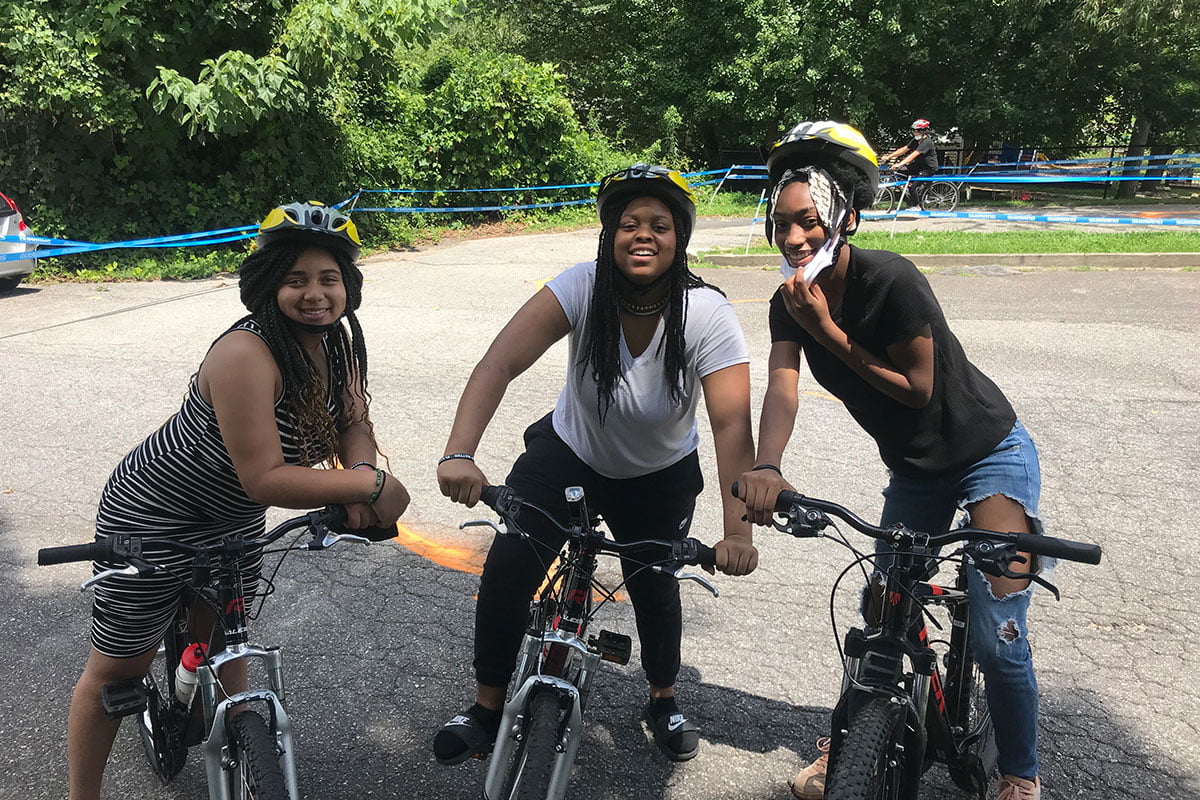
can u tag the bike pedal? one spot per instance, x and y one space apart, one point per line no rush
614 647
123 698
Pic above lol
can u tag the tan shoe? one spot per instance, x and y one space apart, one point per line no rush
809 783
1011 787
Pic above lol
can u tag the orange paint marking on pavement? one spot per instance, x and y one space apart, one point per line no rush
463 559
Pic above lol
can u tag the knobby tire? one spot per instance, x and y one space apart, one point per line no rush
258 775
534 765
864 768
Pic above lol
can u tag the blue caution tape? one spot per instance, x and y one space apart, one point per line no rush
1059 218
65 247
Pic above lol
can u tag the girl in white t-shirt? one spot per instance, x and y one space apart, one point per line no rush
647 337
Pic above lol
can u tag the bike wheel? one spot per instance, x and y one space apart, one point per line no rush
885 200
257 774
940 196
532 764
871 761
967 707
163 725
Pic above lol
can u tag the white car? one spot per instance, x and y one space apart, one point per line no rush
13 224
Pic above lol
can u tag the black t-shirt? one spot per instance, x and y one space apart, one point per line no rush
887 300
927 160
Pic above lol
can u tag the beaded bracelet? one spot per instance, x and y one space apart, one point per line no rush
767 466
363 464
454 456
380 477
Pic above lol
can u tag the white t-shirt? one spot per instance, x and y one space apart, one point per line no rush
644 430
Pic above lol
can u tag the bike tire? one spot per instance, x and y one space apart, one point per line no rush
163 725
533 764
967 707
257 774
868 764
885 200
940 196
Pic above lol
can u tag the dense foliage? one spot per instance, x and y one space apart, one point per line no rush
145 117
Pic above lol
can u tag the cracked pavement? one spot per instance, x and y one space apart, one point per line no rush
1102 367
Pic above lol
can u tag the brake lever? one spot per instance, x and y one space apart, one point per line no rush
330 539
1038 579
131 570
807 526
500 527
680 575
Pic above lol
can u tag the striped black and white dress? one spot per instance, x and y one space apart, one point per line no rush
178 483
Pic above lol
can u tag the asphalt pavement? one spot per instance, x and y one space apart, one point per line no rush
1102 366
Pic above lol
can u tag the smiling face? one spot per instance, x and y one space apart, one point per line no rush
312 291
644 244
798 231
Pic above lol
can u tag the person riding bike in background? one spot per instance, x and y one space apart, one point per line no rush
281 392
918 159
647 337
874 336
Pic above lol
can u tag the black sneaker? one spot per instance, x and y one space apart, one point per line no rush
676 736
470 734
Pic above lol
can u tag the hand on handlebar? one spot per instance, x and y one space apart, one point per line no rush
760 489
387 508
736 555
461 480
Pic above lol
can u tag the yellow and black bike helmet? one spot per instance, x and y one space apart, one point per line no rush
647 179
833 139
310 222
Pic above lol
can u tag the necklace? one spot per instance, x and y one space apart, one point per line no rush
641 310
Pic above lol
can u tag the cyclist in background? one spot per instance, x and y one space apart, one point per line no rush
917 159
874 336
281 392
647 337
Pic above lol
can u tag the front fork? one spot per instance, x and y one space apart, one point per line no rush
218 752
516 712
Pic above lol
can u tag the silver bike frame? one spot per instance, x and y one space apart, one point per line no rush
516 711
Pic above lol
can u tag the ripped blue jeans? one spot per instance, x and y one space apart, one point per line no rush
999 634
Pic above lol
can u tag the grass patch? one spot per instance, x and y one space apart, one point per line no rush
971 243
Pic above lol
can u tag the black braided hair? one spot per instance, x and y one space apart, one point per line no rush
602 350
317 431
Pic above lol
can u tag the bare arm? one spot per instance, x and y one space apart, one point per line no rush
727 398
907 374
760 488
242 380
533 329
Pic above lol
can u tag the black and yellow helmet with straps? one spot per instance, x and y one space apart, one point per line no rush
830 139
312 222
641 180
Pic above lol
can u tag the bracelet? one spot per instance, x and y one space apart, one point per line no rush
454 456
767 466
363 464
380 477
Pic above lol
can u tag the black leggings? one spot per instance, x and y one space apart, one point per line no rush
654 506
916 189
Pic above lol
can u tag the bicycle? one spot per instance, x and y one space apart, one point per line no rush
896 715
541 725
247 754
895 186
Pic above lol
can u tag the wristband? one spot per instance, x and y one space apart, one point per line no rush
363 464
771 467
454 456
380 477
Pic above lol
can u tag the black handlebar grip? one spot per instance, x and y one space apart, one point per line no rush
490 495
787 499
335 516
1059 548
705 556
92 551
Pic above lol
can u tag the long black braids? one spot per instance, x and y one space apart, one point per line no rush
602 350
317 430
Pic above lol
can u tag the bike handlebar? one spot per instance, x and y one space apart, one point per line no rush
123 547
812 510
505 502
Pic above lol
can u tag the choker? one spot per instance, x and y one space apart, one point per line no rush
641 310
304 327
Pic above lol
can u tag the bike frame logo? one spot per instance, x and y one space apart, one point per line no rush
237 604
